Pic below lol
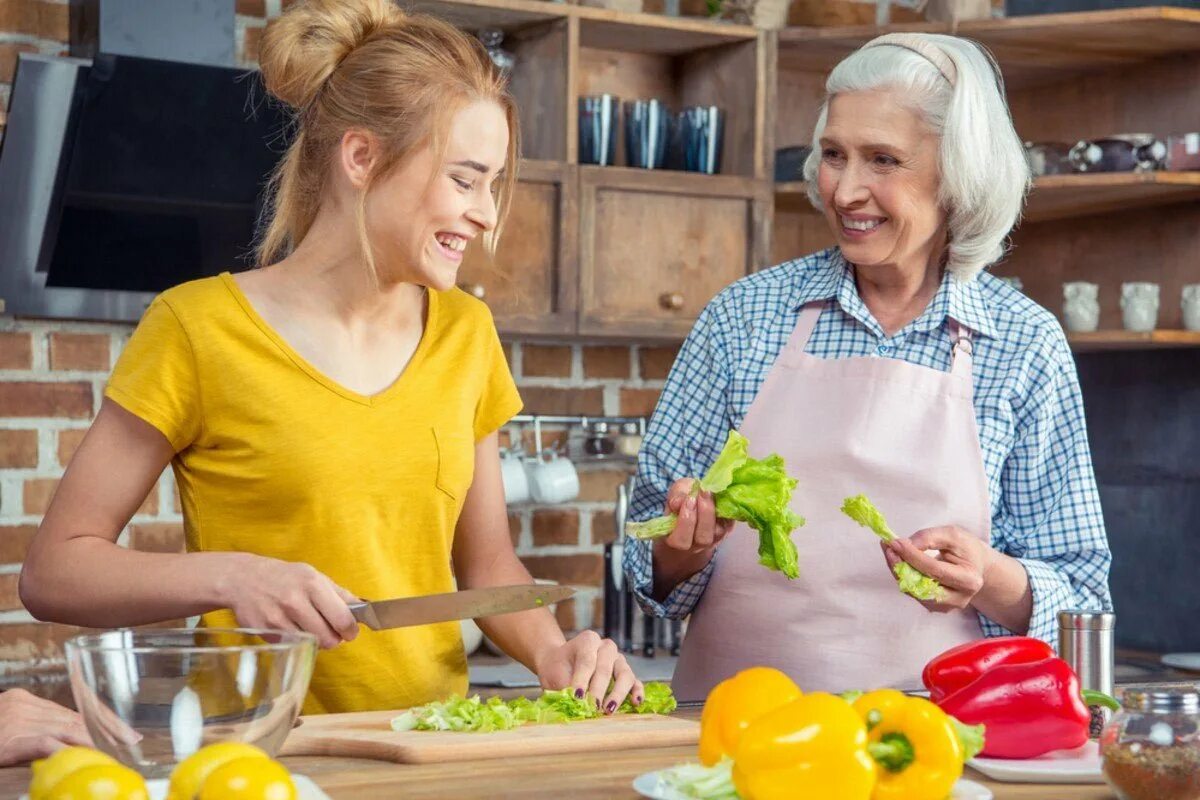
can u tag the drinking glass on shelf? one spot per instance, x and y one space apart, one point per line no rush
598 129
647 128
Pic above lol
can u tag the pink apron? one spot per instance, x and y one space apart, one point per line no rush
902 434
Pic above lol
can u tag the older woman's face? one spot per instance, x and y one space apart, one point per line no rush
879 181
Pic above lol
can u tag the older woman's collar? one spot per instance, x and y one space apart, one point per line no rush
821 282
968 306
832 278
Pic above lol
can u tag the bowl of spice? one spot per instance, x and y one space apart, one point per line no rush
1151 748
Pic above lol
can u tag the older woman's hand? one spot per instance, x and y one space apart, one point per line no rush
690 546
961 567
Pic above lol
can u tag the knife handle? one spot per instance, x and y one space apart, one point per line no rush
364 614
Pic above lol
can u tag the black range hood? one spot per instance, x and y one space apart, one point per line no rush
122 175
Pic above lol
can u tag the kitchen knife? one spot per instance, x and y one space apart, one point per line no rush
467 604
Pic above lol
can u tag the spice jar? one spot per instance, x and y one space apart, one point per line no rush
1151 748
630 440
598 442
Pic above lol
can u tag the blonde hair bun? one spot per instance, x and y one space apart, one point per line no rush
302 48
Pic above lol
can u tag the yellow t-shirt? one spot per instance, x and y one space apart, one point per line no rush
274 458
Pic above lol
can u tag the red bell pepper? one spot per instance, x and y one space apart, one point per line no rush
958 666
1028 709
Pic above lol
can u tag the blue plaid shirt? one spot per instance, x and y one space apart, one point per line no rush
1045 508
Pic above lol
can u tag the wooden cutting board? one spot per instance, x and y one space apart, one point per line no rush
368 734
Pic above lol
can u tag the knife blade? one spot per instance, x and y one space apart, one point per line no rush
467 604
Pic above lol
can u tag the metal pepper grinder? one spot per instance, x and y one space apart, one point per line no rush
1085 641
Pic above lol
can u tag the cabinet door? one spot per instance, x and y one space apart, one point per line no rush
657 246
530 285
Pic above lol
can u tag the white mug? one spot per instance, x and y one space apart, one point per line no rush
1139 306
516 481
552 479
1191 307
1081 307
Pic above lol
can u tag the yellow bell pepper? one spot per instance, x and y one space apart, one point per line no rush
736 702
914 742
815 746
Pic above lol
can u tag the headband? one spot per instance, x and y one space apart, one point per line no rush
922 47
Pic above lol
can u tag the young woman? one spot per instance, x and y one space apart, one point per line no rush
331 417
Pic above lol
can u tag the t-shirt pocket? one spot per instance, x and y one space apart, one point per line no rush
456 460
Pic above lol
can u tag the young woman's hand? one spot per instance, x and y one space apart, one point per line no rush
588 664
287 596
31 727
690 546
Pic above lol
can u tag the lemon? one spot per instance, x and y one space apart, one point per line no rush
249 779
47 772
189 774
101 782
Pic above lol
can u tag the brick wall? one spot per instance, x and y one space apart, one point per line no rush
52 376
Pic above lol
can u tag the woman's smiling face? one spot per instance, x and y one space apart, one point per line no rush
878 180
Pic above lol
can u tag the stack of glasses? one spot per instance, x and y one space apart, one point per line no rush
654 137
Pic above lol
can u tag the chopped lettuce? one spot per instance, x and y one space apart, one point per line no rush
750 490
460 714
561 705
911 581
656 699
699 782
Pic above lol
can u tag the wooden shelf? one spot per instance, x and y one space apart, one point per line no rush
1064 196
667 181
602 28
1132 340
606 29
508 15
539 170
1031 50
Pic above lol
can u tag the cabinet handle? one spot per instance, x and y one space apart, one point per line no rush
474 289
672 301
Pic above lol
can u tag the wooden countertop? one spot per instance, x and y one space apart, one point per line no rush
589 776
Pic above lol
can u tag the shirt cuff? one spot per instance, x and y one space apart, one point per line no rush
682 599
1051 594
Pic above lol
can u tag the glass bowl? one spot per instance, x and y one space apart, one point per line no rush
151 698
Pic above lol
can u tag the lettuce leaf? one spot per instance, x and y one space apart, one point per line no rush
656 699
554 706
911 581
754 491
700 782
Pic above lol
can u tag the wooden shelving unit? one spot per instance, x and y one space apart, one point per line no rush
1064 196
1068 77
1132 340
1030 50
581 237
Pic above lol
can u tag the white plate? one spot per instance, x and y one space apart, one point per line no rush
305 789
1081 765
649 785
1186 661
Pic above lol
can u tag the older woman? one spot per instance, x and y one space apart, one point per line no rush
893 366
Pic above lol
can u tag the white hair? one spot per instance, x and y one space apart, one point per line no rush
983 171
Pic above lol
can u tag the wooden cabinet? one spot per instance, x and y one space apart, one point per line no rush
655 249
1069 77
613 251
530 284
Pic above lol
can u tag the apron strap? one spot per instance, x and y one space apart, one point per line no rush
960 340
805 324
